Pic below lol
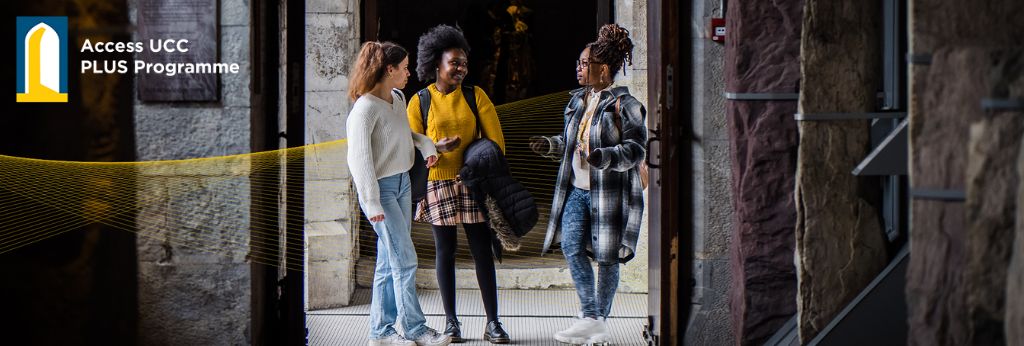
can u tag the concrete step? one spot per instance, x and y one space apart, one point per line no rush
522 303
531 317
512 274
333 330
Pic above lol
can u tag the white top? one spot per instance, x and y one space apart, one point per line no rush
380 144
580 167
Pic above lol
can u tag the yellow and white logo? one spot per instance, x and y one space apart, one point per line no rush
42 59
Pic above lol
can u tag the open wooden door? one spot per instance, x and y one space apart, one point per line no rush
278 316
670 193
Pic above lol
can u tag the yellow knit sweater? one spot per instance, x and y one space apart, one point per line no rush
450 116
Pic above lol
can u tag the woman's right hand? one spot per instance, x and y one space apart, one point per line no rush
377 218
539 145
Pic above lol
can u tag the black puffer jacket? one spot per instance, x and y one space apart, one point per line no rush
510 208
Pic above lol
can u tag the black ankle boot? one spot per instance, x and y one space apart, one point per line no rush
495 333
451 328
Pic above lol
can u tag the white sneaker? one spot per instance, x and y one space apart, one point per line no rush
583 331
432 338
603 337
392 340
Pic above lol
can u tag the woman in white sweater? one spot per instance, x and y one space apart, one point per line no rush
380 154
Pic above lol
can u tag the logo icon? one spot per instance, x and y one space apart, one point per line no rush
42 59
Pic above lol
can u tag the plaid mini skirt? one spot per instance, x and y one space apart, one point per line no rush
448 203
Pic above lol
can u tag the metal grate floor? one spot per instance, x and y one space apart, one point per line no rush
530 317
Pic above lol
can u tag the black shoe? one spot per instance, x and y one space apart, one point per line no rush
451 328
496 334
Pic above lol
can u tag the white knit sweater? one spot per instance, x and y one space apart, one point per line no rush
380 144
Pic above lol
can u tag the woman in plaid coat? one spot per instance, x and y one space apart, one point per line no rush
599 195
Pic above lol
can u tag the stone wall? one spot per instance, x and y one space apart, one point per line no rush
969 240
762 56
710 322
1015 280
992 184
840 245
951 299
332 44
189 296
632 15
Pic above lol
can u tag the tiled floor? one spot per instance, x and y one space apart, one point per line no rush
530 317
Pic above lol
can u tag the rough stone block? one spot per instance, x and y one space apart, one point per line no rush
190 129
194 304
235 90
165 133
763 137
234 13
710 327
209 167
327 161
698 179
233 135
329 47
991 201
330 283
1015 280
710 323
698 99
329 200
762 247
329 242
715 123
937 23
328 6
718 206
992 185
840 242
937 296
326 115
211 220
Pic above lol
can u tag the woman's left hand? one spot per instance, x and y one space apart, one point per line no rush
431 161
448 144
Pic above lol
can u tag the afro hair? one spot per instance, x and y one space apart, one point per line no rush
432 45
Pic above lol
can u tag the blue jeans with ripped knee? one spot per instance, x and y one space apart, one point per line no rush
595 298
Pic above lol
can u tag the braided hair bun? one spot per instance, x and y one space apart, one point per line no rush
613 47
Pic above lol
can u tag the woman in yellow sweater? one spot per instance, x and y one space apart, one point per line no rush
443 56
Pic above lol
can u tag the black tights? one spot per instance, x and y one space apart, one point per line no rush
446 241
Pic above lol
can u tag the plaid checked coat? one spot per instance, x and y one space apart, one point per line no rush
616 192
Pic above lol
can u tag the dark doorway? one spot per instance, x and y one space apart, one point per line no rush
278 312
554 46
543 52
265 40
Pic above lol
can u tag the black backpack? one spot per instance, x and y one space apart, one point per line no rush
419 172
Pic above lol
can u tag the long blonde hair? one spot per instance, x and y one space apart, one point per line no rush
374 58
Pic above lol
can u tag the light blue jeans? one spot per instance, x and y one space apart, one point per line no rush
595 297
394 280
